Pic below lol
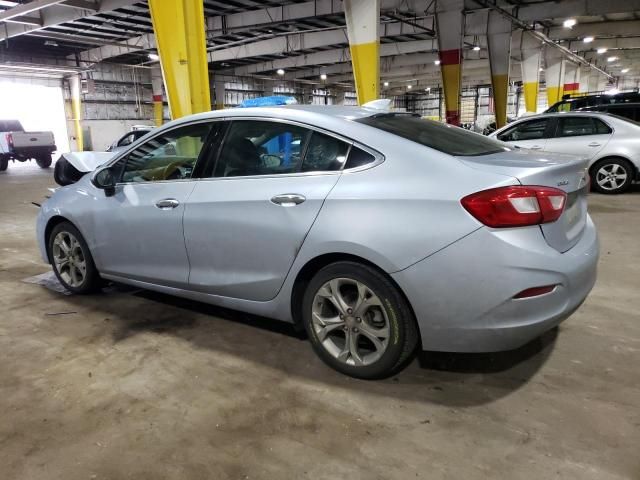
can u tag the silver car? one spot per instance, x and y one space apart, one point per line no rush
377 232
611 143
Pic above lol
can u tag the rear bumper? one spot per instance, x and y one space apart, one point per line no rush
463 295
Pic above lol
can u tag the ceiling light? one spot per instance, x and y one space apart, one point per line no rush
154 57
602 50
587 39
612 59
323 76
437 62
280 71
409 87
541 69
51 43
569 22
624 70
386 84
428 89
476 48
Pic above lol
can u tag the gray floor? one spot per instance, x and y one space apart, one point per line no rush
136 385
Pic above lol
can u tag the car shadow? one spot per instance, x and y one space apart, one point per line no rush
431 377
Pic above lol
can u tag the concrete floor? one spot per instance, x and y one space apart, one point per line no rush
138 385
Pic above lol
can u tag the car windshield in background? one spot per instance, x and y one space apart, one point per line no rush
439 136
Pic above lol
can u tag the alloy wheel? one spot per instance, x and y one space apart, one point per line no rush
611 176
69 259
350 322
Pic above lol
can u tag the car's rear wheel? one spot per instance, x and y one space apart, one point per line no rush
43 161
71 259
358 321
4 163
611 175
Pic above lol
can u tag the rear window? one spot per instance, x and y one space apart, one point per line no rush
439 136
10 126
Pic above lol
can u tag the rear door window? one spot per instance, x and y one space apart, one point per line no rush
324 153
579 126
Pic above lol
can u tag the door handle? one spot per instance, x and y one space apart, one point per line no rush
167 203
594 144
288 199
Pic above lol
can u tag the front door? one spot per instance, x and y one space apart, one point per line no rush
139 229
530 134
245 225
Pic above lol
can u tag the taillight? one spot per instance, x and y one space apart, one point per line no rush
9 140
516 206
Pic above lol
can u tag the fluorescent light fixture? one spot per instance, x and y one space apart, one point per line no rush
154 57
476 48
428 89
409 87
323 76
541 69
569 23
280 71
612 59
624 70
437 62
386 84
602 50
587 39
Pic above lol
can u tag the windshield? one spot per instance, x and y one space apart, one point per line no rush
439 136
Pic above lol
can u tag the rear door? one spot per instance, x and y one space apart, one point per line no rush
246 222
530 134
579 135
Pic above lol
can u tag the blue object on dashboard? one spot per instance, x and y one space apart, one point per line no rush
268 101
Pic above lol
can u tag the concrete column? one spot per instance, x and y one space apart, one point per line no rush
530 60
554 74
363 21
571 78
76 110
179 28
218 85
450 22
268 88
156 87
499 44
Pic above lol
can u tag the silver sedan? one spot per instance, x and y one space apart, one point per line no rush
611 143
379 233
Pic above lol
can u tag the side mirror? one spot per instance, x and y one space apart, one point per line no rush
105 180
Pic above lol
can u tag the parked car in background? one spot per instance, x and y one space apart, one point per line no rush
611 143
576 102
128 138
342 220
18 145
630 111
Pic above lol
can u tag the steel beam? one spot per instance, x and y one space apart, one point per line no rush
179 30
26 8
156 87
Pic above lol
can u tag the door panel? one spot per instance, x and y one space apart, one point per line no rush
583 136
138 239
241 244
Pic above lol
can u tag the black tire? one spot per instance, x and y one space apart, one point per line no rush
43 161
403 332
605 163
4 163
91 281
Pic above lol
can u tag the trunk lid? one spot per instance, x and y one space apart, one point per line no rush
565 172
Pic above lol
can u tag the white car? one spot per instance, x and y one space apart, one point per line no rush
611 143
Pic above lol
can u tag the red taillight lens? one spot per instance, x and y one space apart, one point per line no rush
516 206
9 139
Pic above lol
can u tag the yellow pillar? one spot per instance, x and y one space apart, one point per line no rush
179 27
76 110
363 18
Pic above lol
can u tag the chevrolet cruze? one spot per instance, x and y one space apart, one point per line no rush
377 232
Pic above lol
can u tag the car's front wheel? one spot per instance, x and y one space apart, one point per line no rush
358 321
611 175
71 259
